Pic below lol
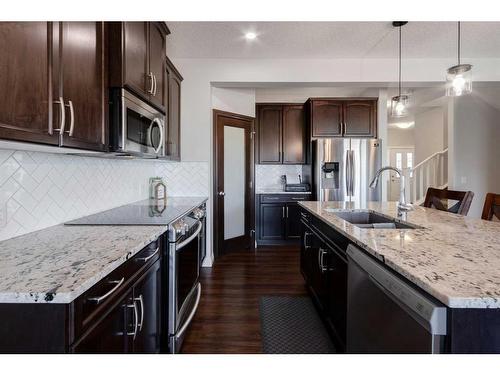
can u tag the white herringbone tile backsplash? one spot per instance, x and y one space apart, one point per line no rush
38 190
269 176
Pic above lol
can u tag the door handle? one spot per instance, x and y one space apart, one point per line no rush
141 302
221 193
62 115
72 118
151 86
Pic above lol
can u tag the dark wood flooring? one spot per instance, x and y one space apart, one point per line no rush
227 320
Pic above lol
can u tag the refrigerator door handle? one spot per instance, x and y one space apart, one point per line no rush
348 170
353 170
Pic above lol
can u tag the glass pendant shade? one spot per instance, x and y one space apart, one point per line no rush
399 106
459 80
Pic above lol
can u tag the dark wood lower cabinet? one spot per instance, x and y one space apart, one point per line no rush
111 335
122 313
278 218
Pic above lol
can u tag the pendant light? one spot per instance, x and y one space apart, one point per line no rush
459 77
399 103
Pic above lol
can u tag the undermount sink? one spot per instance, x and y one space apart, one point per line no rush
372 220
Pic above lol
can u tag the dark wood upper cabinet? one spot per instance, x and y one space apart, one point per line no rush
270 120
294 134
137 58
360 118
26 103
82 72
343 117
157 58
173 93
326 118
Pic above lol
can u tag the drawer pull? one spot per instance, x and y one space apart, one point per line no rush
150 256
99 299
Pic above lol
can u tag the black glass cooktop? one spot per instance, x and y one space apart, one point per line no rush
144 212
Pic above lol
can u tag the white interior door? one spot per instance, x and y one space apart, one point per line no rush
401 158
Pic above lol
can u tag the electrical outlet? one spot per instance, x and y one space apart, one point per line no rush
3 215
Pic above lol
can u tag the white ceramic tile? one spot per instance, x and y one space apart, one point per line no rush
269 176
38 190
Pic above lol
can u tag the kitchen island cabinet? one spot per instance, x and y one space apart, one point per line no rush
447 258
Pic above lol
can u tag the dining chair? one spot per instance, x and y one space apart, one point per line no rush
491 209
438 199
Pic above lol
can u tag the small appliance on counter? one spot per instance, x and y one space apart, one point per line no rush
297 186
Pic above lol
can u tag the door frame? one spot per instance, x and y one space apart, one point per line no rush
218 217
389 150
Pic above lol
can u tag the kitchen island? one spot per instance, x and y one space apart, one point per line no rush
453 259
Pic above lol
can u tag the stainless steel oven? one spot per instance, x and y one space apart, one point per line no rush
184 288
136 127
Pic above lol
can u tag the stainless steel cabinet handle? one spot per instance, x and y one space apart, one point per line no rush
99 299
149 256
72 118
322 267
283 213
154 81
141 302
287 211
62 114
306 246
151 87
136 320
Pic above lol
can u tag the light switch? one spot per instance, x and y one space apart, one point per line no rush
463 180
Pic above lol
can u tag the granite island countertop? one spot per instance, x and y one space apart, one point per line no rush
59 263
454 258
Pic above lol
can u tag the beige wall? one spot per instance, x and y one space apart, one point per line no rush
429 133
401 137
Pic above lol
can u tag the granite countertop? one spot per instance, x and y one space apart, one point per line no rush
454 258
60 263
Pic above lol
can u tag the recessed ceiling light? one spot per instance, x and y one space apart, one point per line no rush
250 36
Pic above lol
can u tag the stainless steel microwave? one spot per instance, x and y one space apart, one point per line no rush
136 127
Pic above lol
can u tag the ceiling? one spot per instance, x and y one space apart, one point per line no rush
331 40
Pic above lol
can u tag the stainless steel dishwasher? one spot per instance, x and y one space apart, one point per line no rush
386 314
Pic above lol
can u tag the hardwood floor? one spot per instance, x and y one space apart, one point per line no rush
227 320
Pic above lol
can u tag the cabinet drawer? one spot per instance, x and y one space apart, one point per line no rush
95 302
283 198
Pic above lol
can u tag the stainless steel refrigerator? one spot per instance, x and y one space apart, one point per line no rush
344 167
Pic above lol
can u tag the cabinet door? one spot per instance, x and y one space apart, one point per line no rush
360 118
293 224
112 334
147 298
326 118
272 221
317 257
135 60
337 297
294 134
157 64
25 96
173 138
270 137
82 71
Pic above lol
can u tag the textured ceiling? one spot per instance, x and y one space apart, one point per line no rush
331 40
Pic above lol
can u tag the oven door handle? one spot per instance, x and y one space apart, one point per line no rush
195 234
191 314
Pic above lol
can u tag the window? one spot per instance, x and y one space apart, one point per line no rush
399 160
409 162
